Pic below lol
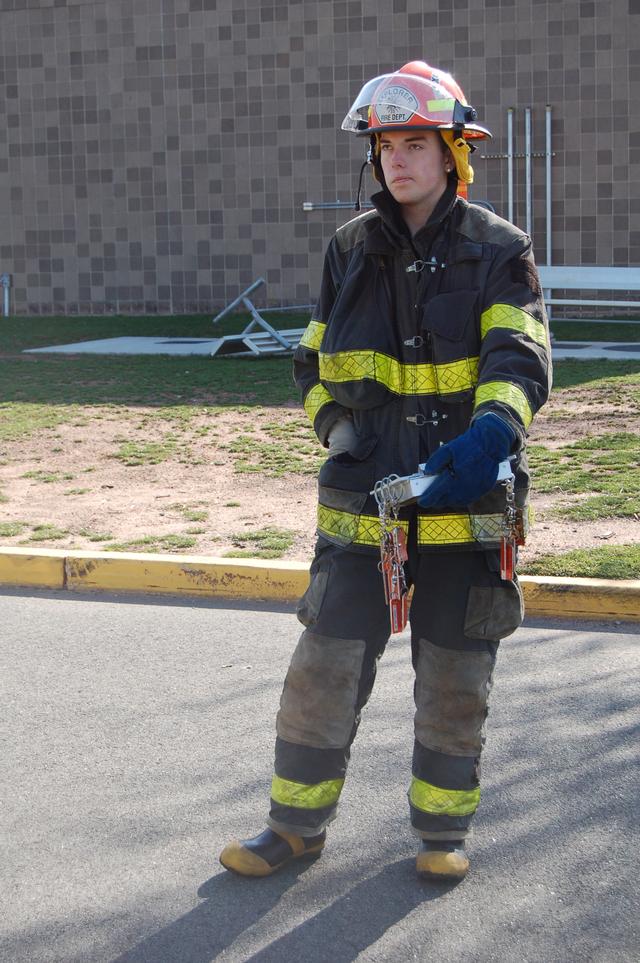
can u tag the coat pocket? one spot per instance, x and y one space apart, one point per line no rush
450 324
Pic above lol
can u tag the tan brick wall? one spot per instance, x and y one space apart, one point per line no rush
155 156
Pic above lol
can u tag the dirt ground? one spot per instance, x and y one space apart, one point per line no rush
96 500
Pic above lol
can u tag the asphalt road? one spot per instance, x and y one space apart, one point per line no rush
136 740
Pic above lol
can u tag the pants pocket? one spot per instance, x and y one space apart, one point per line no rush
496 610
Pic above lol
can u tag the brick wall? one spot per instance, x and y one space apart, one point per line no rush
155 156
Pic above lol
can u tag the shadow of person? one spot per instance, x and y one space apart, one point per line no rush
355 918
231 905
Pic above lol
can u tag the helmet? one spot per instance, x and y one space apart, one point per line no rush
415 96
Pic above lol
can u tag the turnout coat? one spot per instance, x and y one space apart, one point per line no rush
413 338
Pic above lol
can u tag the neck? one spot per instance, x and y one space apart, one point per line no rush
416 216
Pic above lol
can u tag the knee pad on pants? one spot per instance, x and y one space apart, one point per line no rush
452 694
319 700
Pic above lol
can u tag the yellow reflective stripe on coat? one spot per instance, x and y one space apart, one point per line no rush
508 316
315 399
401 379
312 338
443 802
509 394
350 528
298 794
444 529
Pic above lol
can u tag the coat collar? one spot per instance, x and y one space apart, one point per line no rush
388 233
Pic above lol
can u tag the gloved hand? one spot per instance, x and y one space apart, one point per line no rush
468 466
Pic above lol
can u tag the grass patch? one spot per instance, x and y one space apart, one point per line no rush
95 536
189 513
601 331
46 477
20 419
297 455
269 542
9 529
603 464
129 380
136 453
611 561
154 543
608 375
77 491
600 506
47 533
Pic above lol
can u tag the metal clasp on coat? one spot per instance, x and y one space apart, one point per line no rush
416 342
420 420
419 265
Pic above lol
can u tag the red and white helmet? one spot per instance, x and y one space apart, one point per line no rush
415 96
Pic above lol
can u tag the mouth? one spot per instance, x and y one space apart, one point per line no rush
400 180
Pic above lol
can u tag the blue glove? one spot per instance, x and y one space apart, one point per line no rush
468 466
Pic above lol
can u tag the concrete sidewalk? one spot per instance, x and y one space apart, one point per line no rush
207 577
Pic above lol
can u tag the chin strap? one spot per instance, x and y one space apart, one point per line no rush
356 206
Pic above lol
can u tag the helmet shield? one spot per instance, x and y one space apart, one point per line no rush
399 100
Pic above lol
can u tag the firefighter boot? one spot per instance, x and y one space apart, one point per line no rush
268 852
442 860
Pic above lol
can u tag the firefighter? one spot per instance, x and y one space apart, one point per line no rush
429 344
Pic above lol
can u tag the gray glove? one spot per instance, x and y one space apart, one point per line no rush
342 436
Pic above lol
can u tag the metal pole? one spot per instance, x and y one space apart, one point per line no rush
239 299
548 178
510 163
5 281
527 168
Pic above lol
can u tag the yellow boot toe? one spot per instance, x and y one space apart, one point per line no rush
442 861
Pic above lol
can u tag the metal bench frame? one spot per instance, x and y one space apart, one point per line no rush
588 278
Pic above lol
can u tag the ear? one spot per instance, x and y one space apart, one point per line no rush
449 162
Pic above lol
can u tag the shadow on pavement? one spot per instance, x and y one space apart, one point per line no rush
339 932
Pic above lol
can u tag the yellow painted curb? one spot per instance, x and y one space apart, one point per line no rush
581 598
39 568
207 577
183 574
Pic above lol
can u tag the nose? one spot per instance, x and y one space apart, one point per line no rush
397 158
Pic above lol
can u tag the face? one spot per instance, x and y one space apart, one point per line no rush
414 166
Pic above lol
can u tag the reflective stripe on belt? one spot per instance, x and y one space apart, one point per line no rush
443 802
448 529
508 316
315 399
350 528
401 379
509 394
298 794
312 337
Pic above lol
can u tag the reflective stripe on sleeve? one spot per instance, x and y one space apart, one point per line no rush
298 794
401 379
509 394
508 316
315 399
312 337
443 802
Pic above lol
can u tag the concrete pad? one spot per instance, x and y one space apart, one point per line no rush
157 345
590 350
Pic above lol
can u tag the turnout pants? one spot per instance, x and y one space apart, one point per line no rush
459 612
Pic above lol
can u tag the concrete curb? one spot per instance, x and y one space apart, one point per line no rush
209 577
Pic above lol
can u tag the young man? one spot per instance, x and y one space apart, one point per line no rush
429 344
